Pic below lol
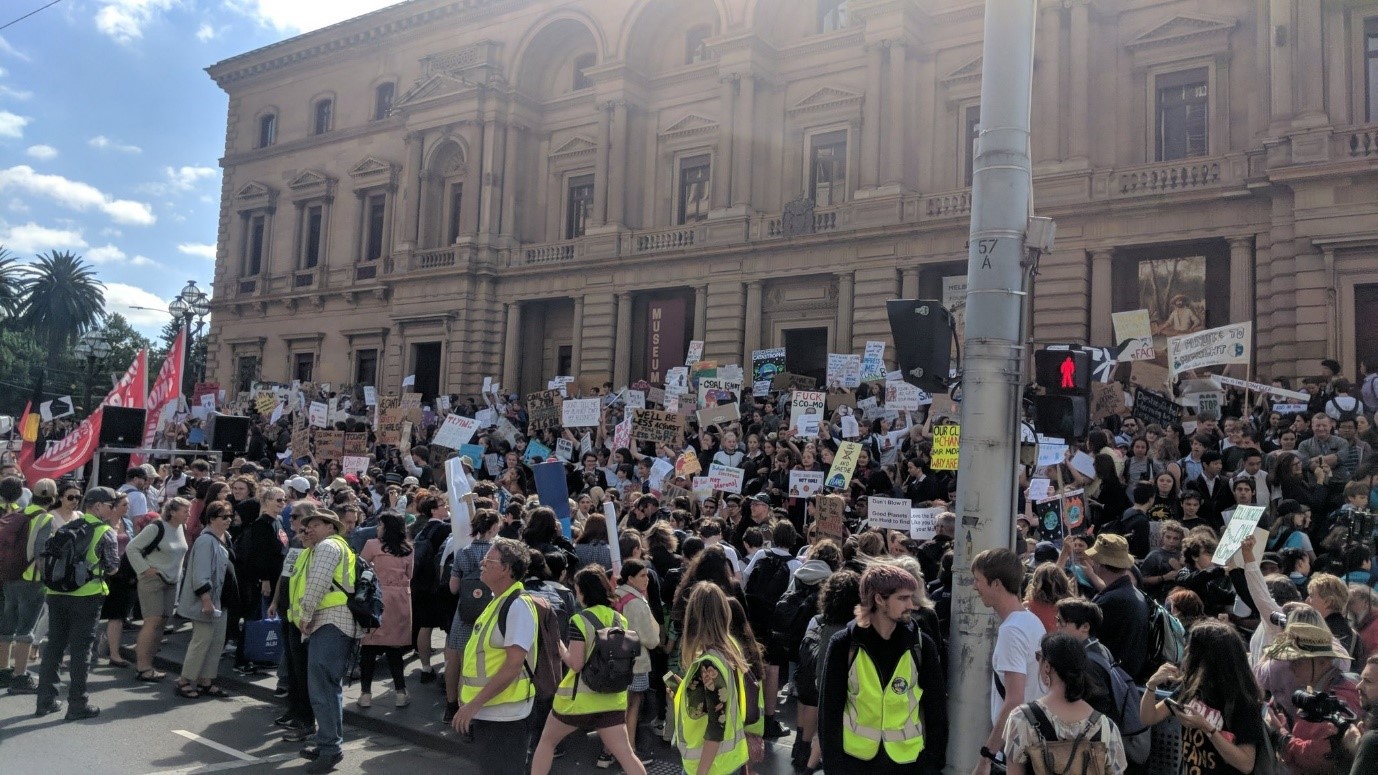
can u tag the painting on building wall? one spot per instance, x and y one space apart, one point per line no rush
1173 290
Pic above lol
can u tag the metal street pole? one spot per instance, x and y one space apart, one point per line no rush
993 359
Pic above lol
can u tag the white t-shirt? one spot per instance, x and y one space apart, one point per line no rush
1015 648
520 630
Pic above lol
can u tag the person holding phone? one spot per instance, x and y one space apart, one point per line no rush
1217 701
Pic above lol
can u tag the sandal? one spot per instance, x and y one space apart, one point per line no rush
188 691
213 691
149 676
123 663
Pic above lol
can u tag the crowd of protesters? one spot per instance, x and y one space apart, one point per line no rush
742 602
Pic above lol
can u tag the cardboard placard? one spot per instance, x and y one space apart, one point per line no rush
543 410
301 439
1106 399
719 415
831 511
1241 526
655 426
370 395
837 399
411 407
1133 335
786 381
356 444
844 465
687 464
581 412
389 428
329 444
946 441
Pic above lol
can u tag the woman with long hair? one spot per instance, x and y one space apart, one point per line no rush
1062 667
156 555
710 700
483 526
591 547
1049 585
390 554
1217 701
578 707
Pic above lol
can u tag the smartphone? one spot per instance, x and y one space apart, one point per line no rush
672 682
1174 706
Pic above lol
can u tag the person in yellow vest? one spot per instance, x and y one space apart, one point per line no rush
883 706
496 692
318 595
710 700
23 597
576 706
72 614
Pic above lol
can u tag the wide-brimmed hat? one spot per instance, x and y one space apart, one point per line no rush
328 516
1112 551
1304 641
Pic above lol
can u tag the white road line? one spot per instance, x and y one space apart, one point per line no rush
225 749
207 769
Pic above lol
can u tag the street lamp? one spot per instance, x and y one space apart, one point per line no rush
192 302
94 347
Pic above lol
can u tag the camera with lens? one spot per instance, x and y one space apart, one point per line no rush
1323 707
1360 526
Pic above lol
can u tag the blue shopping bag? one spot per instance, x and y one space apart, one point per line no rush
263 638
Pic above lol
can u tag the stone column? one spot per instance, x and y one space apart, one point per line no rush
700 312
411 193
846 292
722 168
896 109
746 130
617 163
1310 72
511 149
870 118
622 344
1280 62
511 351
1102 266
1241 279
600 169
909 283
1079 63
753 319
576 348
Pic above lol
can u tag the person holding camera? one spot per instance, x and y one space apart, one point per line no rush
1324 700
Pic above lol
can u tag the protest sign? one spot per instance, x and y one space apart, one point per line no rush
456 489
923 523
1073 509
873 362
455 432
564 449
1151 407
695 353
1039 488
634 399
355 464
804 402
660 469
1241 526
1259 387
717 391
1212 347
946 441
1050 451
719 415
902 395
807 426
1083 463
687 464
1133 336
701 487
726 478
850 427
536 451
844 465
838 398
654 426
1047 516
265 401
553 489
487 418
370 395
507 431
868 408
844 370
581 412
805 484
329 444
301 439
356 444
889 513
831 511
411 407
492 464
621 434
1290 408
765 364
474 452
1106 399
542 410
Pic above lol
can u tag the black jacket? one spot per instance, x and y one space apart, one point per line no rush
260 551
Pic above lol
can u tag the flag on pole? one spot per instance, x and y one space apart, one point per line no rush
28 434
166 389
76 448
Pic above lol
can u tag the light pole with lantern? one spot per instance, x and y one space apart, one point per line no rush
191 303
95 348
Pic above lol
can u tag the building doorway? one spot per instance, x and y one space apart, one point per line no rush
806 352
425 364
1366 326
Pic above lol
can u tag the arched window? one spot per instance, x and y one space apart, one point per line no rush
582 63
382 100
267 130
324 116
833 15
695 47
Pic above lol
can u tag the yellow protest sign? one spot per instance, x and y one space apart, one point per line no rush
945 443
844 464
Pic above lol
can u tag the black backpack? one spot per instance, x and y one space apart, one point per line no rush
65 568
791 619
768 582
608 669
365 601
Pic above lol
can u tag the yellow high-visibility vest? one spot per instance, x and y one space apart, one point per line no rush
886 714
343 579
570 702
690 731
484 655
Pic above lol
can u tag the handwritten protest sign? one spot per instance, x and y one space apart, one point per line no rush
329 444
655 426
1133 336
1151 407
621 434
1259 387
902 395
718 391
564 449
356 444
844 465
765 364
455 432
946 440
889 513
1212 347
719 415
687 464
581 412
844 370
695 353
831 510
873 362
370 395
543 410
804 402
787 381
536 451
805 484
389 428
1241 526
355 464
635 399
411 407
726 478
1106 400
318 413
301 439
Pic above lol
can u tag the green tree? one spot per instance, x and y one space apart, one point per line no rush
61 299
11 286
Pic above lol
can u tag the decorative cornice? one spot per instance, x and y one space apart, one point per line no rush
255 196
1182 28
691 124
967 73
827 98
575 146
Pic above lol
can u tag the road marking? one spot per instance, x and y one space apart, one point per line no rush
250 761
225 749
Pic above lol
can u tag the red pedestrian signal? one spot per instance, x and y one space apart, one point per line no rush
1068 372
1063 372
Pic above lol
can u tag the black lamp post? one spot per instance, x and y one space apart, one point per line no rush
191 303
95 348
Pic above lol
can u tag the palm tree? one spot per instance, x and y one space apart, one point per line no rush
11 284
61 298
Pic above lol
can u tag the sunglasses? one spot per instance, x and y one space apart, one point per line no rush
71 497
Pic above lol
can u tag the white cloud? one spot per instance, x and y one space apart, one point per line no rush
30 238
42 152
104 143
205 32
12 125
124 20
180 180
143 261
18 205
16 94
305 15
108 254
126 299
198 249
76 195
8 50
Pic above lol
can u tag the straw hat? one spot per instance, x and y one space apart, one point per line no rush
1305 641
1112 551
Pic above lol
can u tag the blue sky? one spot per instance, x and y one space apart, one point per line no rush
111 132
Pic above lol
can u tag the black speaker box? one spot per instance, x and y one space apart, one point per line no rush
122 426
111 469
922 330
227 434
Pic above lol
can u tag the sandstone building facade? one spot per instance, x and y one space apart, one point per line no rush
526 188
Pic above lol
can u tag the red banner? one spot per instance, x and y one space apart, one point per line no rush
165 390
76 448
664 337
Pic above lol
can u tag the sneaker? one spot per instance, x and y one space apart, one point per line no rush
280 692
774 729
24 684
402 700
605 760
311 752
84 712
297 733
285 720
52 707
427 676
323 764
246 669
366 700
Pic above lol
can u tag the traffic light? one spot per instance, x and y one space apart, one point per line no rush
1065 377
1063 372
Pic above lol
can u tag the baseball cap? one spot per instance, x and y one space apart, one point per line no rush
101 495
761 497
298 483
